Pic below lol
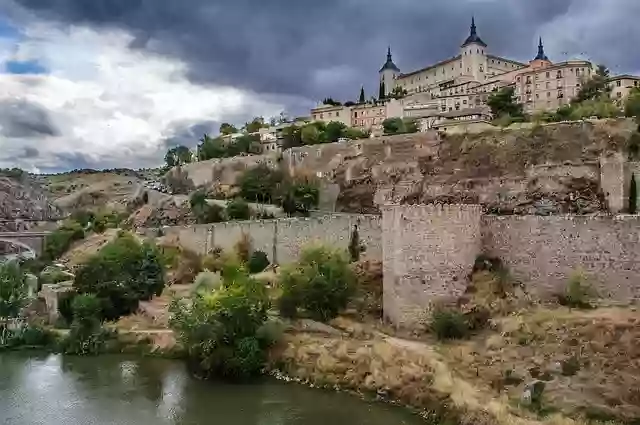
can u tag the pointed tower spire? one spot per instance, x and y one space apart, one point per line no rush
541 55
473 35
389 63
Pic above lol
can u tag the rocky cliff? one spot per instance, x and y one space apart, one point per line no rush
21 199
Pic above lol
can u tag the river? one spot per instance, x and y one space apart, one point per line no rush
115 390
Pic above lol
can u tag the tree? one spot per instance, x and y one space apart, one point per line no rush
121 274
331 101
13 289
632 105
210 148
254 125
86 336
361 99
225 332
226 128
334 130
238 209
597 86
310 135
60 240
178 155
349 103
321 283
398 92
292 136
633 195
392 125
260 183
503 102
382 94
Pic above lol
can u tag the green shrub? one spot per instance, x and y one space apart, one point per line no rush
65 307
578 293
206 282
59 241
87 336
448 323
258 262
13 289
321 283
220 330
238 209
52 275
121 274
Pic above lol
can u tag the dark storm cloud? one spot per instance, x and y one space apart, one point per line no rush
30 152
22 119
190 134
303 47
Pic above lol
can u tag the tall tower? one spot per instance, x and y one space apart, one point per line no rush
388 74
541 60
473 53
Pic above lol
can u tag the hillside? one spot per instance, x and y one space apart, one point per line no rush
22 198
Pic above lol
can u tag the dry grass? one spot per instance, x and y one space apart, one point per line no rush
82 250
600 346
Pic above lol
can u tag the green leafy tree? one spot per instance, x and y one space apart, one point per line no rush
292 137
334 130
632 104
226 128
393 126
354 133
210 148
260 183
257 262
321 283
361 99
503 103
597 86
310 135
223 331
299 196
121 274
86 336
178 155
13 289
254 125
633 195
238 209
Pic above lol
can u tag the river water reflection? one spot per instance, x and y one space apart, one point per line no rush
113 390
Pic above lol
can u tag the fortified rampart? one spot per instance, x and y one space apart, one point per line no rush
283 239
429 250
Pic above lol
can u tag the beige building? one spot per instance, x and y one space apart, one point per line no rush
622 85
369 116
328 113
467 80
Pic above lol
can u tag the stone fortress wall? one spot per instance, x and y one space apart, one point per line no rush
428 250
282 239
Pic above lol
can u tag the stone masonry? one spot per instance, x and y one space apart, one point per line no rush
427 253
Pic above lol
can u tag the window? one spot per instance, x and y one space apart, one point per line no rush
464 101
635 84
518 79
547 85
337 114
548 94
537 96
559 74
321 116
548 75
355 115
619 94
619 83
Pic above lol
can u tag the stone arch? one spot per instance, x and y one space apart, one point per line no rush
19 244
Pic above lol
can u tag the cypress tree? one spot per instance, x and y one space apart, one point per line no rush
382 90
361 100
633 195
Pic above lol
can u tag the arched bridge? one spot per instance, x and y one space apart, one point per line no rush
28 241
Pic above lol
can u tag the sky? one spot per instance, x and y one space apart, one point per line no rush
114 83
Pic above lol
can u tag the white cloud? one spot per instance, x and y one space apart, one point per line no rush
111 103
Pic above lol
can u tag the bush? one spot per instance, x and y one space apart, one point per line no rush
13 289
238 209
322 283
87 336
206 282
577 294
447 323
258 262
121 274
220 330
29 336
59 241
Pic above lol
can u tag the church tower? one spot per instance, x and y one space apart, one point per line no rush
473 55
388 74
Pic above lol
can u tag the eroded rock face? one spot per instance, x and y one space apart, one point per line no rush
19 199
